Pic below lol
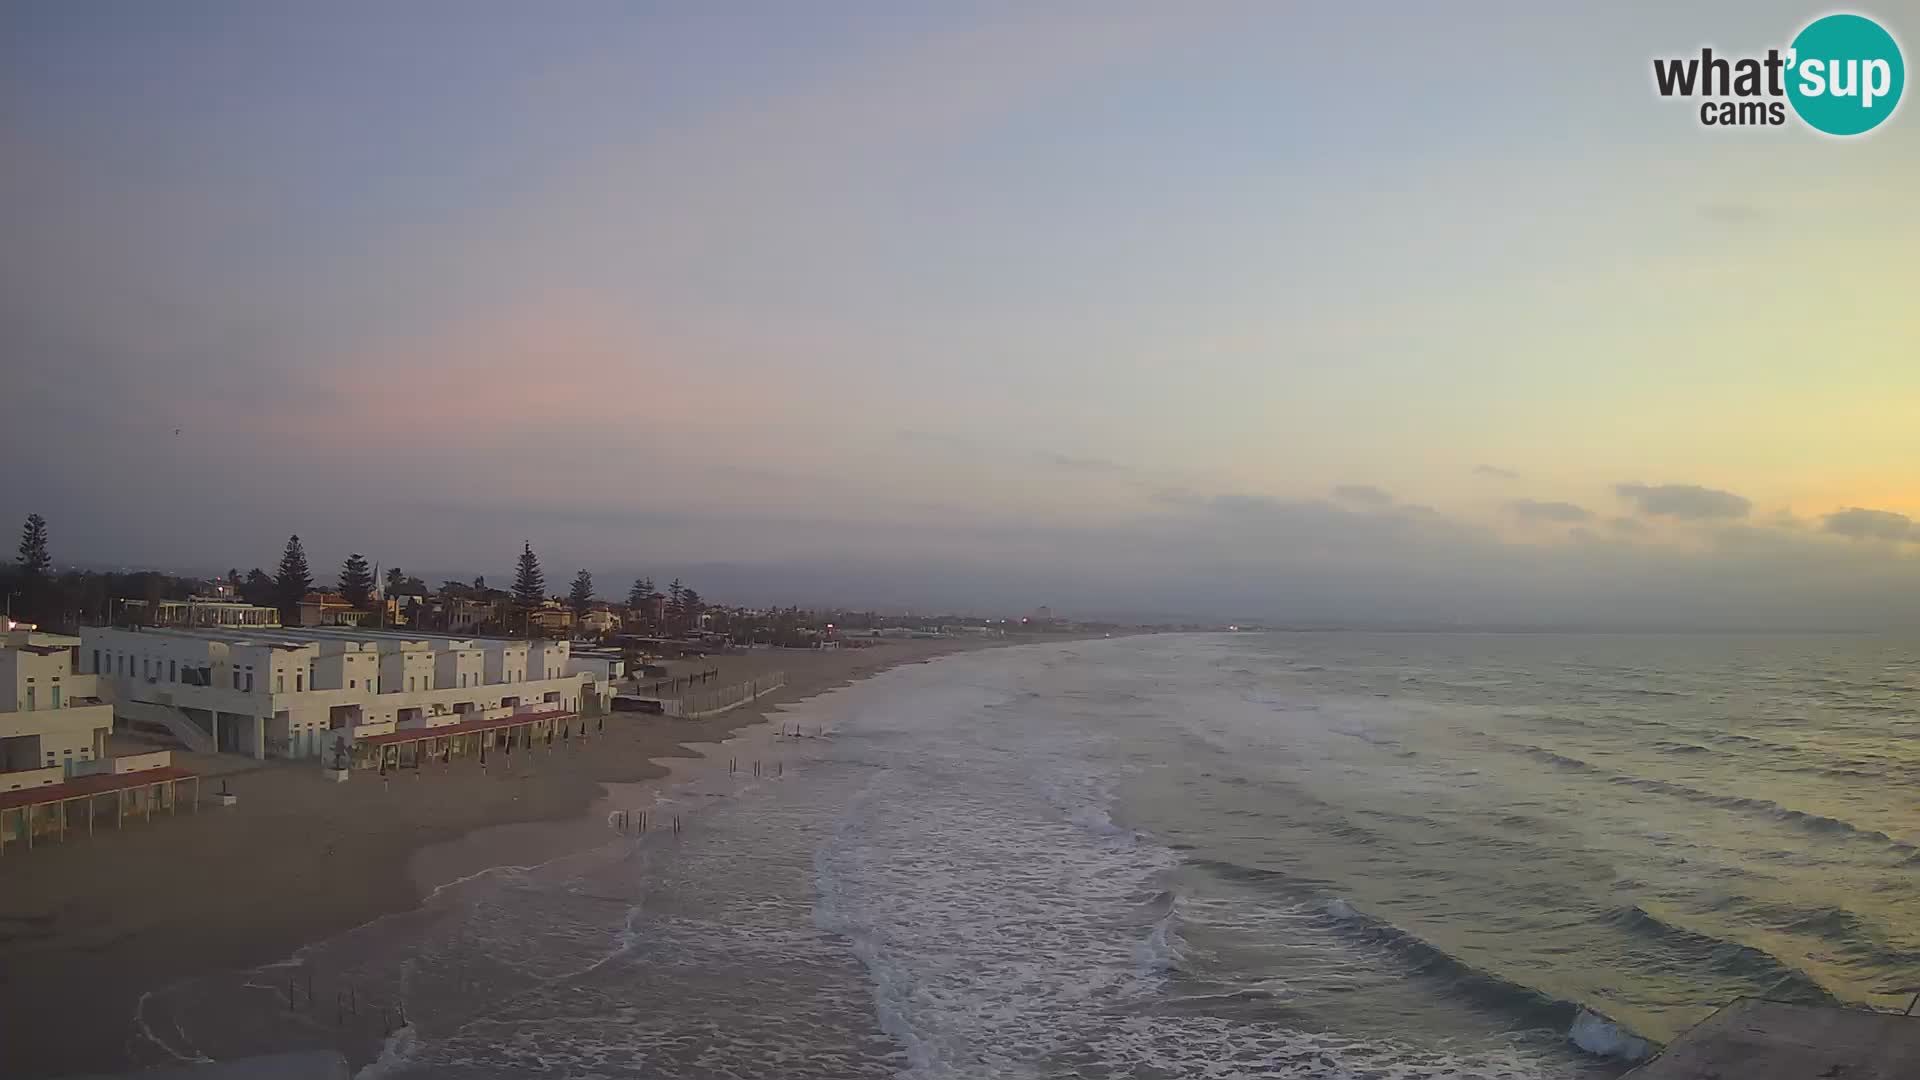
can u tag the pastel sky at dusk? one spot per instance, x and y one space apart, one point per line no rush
1251 310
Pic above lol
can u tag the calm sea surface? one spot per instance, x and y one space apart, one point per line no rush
1295 855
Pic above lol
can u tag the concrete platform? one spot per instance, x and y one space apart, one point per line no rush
1752 1039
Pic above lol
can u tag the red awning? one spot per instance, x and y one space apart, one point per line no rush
97 784
464 727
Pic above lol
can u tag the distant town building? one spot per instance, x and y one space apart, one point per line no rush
329 609
599 623
552 619
199 611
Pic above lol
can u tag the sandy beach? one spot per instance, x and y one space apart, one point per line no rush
87 927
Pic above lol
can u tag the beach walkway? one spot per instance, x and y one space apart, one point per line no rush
1752 1039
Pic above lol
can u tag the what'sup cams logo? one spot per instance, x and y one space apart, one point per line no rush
1842 75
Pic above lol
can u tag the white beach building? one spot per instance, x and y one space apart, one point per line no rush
300 692
51 717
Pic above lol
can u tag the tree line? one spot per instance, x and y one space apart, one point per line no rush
35 593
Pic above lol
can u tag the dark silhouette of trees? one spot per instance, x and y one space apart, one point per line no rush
293 582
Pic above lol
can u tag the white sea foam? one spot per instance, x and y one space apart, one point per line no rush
1596 1034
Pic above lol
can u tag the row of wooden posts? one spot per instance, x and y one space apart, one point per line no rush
639 821
709 702
346 1004
661 687
519 734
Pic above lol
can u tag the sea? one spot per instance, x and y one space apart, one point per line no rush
1392 856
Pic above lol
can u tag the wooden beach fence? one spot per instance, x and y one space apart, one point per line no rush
701 704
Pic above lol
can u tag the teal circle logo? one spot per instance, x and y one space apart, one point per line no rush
1845 74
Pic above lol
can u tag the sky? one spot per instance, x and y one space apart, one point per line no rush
1279 311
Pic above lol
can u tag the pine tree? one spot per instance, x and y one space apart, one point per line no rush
676 598
690 608
356 581
581 594
34 559
640 594
258 589
293 582
529 584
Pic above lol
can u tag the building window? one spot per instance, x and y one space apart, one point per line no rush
29 699
96 661
249 682
299 681
279 684
409 684
56 697
173 675
353 684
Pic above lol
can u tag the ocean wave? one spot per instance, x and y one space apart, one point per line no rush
1559 760
1681 748
1769 809
1599 1034
1846 932
1586 1027
1691 948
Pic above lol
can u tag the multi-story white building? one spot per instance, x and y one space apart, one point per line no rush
300 692
51 716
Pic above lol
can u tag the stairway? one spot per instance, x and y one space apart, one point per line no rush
191 735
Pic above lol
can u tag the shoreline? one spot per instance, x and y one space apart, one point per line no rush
89 928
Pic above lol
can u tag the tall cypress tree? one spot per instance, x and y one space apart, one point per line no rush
581 594
293 582
529 584
35 588
34 559
356 581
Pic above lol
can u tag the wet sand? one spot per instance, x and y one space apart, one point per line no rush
87 927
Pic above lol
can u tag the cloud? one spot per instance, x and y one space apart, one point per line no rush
1084 464
1688 501
1732 213
1362 495
1633 526
1861 524
1535 510
1496 472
